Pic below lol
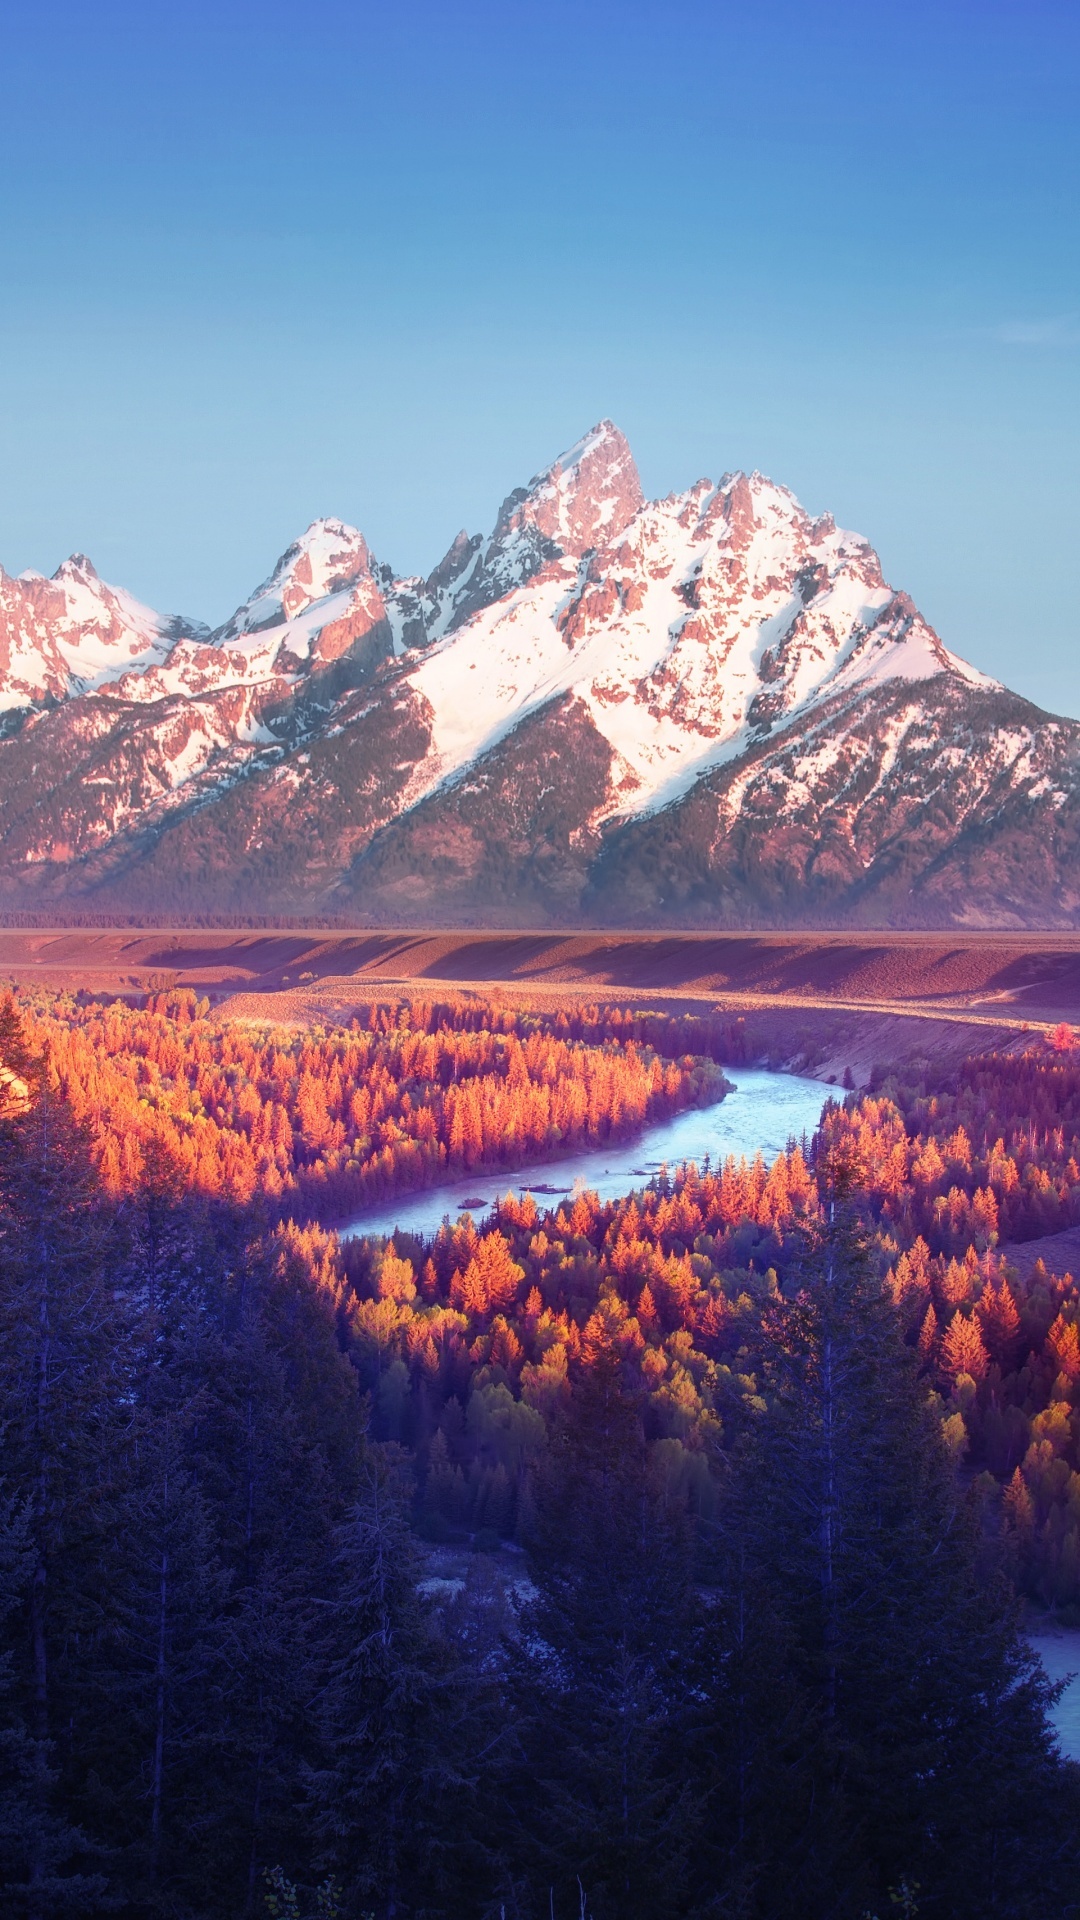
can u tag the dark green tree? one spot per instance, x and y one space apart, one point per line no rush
31 1835
392 1802
155 1669
243 1371
773 1808
602 1794
65 1356
924 1738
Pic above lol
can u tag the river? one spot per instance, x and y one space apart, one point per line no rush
763 1112
1059 1652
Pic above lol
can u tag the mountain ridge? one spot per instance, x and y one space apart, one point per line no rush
712 706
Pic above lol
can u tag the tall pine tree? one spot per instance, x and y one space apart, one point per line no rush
926 1739
391 1803
65 1354
601 1795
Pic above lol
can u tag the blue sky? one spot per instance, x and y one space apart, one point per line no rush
261 262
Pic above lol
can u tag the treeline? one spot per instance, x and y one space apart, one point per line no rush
467 1341
224 1690
323 1123
330 1122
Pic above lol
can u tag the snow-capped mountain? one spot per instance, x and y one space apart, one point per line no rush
73 633
710 708
685 628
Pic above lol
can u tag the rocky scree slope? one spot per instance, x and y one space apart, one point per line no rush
705 710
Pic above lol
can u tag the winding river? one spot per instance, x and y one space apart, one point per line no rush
763 1112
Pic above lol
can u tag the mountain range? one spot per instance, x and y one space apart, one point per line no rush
707 710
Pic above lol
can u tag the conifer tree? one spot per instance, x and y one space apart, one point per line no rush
155 1674
776 1831
17 1757
390 1803
929 1714
270 1680
279 1446
601 1793
36 1842
64 1353
246 1374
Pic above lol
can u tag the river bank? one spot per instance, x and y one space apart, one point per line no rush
760 1114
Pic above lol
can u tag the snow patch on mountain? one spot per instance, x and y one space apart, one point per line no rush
708 619
721 642
584 498
327 558
74 633
323 599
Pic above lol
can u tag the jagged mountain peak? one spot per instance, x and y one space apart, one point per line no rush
328 557
579 502
709 618
454 562
73 633
583 498
610 706
77 567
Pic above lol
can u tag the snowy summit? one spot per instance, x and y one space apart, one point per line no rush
710 706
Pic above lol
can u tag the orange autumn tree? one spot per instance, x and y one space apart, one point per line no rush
336 1119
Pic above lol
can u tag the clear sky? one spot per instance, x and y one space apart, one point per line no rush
264 261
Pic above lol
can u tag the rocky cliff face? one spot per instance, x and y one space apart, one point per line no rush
709 709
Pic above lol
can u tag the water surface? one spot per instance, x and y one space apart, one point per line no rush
1060 1655
763 1112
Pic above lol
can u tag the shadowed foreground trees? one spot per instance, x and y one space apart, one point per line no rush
839 1708
602 1684
800 1694
864 1658
402 1726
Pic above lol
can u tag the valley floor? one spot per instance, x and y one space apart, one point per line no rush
836 1003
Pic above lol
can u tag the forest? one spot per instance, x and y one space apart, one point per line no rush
329 1122
751 1470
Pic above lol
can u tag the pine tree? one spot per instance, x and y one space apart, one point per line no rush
36 1843
269 1677
64 1359
155 1677
17 1757
279 1447
962 1350
777 1829
244 1371
928 1711
390 1803
603 1672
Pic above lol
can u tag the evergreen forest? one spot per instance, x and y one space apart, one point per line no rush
749 1475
